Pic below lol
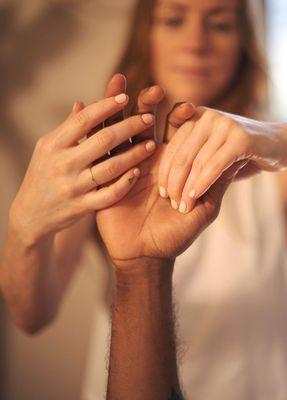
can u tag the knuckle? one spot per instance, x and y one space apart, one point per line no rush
67 190
82 206
61 167
214 166
80 120
45 143
242 137
111 169
180 159
197 164
104 139
210 115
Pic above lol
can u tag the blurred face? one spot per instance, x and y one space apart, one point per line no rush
195 48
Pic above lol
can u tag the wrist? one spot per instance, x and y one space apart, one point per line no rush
24 236
143 270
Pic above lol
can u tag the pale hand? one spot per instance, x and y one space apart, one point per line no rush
210 143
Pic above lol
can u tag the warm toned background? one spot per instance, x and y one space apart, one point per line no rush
52 53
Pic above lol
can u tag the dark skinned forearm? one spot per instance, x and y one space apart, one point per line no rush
142 358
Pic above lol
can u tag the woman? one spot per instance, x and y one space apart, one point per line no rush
229 286
216 355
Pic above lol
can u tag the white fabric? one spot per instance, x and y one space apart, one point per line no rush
230 296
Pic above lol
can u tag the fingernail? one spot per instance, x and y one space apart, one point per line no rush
150 146
182 207
120 98
162 191
186 104
174 204
147 118
136 172
192 194
151 88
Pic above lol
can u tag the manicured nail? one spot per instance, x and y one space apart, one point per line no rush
182 207
162 191
120 98
192 194
147 118
174 204
150 146
187 104
151 88
136 172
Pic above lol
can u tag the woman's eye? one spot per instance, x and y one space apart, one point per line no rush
221 26
172 22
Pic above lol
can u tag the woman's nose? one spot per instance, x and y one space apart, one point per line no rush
195 36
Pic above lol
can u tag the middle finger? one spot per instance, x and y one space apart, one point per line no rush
110 137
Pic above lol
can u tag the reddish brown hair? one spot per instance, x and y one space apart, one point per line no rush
246 95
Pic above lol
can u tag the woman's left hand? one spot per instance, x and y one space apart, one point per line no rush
210 143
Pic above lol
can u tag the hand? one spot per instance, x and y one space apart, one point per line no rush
209 144
58 188
144 225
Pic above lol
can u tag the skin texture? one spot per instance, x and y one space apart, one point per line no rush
207 145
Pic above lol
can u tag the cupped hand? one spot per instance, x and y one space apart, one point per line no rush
210 143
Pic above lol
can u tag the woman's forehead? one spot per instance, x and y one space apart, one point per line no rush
204 5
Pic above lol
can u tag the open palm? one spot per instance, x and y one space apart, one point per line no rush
144 224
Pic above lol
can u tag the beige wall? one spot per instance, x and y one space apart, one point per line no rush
54 52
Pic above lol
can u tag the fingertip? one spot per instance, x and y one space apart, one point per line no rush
136 172
187 109
78 106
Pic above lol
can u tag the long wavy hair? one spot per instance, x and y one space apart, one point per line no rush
247 94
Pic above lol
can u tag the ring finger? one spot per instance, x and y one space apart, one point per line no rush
113 167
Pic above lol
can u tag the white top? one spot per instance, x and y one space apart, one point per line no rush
230 302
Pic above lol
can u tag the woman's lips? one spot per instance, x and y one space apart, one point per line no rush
191 72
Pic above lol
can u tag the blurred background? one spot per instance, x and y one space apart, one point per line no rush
54 52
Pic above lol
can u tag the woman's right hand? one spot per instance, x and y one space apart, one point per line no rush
58 188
